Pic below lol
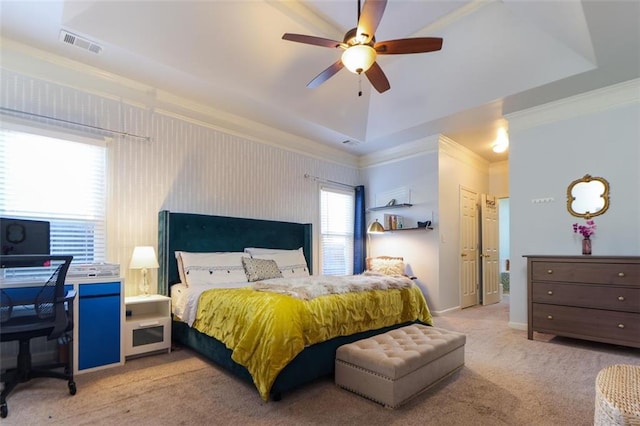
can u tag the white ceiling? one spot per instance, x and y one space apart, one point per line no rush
498 57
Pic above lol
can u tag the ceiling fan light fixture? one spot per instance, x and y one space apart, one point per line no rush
359 58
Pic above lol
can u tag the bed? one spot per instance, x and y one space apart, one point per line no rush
186 232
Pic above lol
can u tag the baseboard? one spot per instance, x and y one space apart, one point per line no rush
518 326
439 313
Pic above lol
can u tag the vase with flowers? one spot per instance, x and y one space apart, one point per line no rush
586 230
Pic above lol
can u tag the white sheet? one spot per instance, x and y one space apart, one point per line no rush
184 300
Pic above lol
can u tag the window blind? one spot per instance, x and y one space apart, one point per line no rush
60 181
336 231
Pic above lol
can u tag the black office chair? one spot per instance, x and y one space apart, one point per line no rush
50 314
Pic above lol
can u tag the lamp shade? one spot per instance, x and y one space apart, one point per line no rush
143 257
359 58
375 228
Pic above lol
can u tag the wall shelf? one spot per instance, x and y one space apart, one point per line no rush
395 206
428 228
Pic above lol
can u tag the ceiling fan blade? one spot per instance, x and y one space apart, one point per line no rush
325 75
372 12
408 45
377 78
307 39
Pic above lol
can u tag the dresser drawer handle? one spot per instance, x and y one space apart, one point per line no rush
621 274
550 317
550 293
620 325
549 271
621 298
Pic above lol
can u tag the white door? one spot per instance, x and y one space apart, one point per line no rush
468 248
490 257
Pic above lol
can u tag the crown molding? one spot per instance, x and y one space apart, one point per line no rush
615 96
453 149
55 69
400 152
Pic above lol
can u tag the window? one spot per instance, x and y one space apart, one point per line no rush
336 231
60 181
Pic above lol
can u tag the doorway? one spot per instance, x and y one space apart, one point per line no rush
503 235
484 248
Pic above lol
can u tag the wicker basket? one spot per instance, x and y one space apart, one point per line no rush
618 396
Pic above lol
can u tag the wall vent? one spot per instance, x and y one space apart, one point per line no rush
81 42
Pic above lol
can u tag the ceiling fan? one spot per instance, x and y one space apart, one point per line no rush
360 47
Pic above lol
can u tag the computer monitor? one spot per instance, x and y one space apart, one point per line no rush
21 236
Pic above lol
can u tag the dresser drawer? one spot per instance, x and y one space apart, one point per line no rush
604 326
625 299
598 273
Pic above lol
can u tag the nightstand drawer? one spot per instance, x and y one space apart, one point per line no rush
148 324
148 335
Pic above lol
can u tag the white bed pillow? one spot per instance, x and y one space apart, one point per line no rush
260 250
213 268
291 263
181 274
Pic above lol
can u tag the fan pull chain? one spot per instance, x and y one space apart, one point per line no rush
360 84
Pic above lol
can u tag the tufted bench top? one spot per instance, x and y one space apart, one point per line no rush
396 353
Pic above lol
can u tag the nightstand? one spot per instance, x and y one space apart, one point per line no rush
147 325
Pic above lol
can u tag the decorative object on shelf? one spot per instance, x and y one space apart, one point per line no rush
392 202
375 228
144 257
425 224
586 230
392 222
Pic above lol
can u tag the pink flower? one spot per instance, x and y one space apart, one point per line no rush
586 230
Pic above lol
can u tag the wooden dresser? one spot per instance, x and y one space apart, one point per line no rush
586 297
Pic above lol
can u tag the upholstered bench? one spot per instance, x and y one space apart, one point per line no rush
395 366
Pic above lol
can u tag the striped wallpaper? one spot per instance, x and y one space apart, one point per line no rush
184 167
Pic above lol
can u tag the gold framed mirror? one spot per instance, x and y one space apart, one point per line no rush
588 197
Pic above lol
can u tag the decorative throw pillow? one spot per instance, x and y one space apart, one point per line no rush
260 269
387 265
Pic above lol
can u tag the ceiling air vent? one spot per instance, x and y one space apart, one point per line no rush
81 42
350 142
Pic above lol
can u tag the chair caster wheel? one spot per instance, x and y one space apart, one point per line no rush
4 410
72 388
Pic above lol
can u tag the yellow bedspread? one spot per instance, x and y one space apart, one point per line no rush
265 331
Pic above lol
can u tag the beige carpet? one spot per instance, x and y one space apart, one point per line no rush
507 380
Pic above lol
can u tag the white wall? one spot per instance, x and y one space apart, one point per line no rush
499 179
419 175
459 168
597 133
434 177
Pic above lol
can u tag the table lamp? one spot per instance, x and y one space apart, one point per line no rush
144 257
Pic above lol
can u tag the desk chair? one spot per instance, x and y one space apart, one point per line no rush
50 315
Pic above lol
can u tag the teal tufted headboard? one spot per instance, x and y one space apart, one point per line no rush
205 233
